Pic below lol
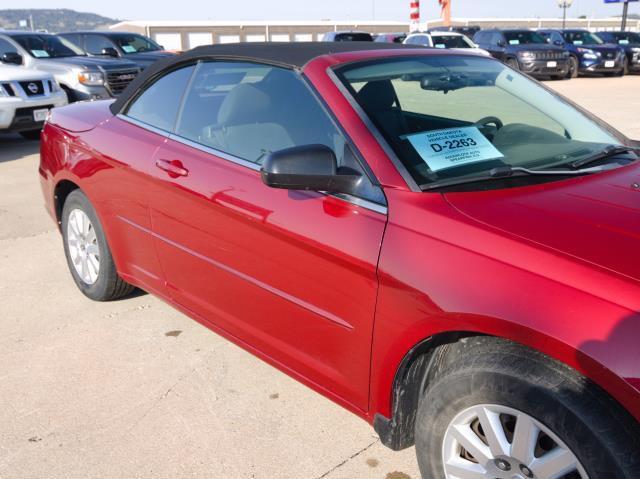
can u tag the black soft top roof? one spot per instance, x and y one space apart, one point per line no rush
288 55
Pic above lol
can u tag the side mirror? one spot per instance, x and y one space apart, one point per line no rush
309 167
110 52
502 43
558 43
12 58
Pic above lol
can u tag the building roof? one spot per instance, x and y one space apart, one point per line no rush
252 23
288 55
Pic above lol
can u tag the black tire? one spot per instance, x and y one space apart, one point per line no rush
513 63
70 96
625 68
573 67
108 285
601 434
31 134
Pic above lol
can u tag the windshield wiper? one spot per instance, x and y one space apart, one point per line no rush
503 172
603 155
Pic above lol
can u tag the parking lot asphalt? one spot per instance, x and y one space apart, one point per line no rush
132 388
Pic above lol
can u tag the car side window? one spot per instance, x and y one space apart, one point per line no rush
158 104
75 39
249 110
7 47
94 44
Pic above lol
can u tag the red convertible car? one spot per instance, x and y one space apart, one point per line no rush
434 241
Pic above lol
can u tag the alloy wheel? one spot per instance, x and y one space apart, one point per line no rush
83 246
498 442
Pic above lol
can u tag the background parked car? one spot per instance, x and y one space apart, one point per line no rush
81 77
629 42
132 46
588 53
468 31
525 50
454 41
397 37
347 36
25 99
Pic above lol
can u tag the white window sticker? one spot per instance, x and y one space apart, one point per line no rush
514 42
440 45
624 42
40 53
128 49
442 149
578 42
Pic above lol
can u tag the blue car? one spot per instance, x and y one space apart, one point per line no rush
630 42
588 53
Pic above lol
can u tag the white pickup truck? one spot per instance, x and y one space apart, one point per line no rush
25 98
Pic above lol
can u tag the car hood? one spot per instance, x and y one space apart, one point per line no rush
11 73
535 47
602 48
89 63
595 218
150 56
144 59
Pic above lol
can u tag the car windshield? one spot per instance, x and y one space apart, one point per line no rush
625 38
582 38
452 116
450 41
523 37
132 43
47 46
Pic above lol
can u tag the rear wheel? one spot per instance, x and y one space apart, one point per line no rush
88 254
498 410
31 134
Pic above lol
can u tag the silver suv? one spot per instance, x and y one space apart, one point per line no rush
82 77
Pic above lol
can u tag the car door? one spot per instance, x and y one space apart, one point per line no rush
126 145
497 46
290 274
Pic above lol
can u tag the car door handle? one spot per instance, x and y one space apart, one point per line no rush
175 168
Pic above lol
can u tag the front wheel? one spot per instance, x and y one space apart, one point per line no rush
498 410
31 134
625 68
513 63
88 254
573 68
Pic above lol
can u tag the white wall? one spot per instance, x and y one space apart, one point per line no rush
303 37
170 41
228 38
197 39
280 37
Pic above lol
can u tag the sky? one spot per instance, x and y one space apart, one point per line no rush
325 9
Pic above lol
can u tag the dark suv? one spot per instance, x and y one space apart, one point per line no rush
629 42
588 53
134 47
525 50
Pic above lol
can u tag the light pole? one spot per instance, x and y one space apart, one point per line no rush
625 14
564 4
